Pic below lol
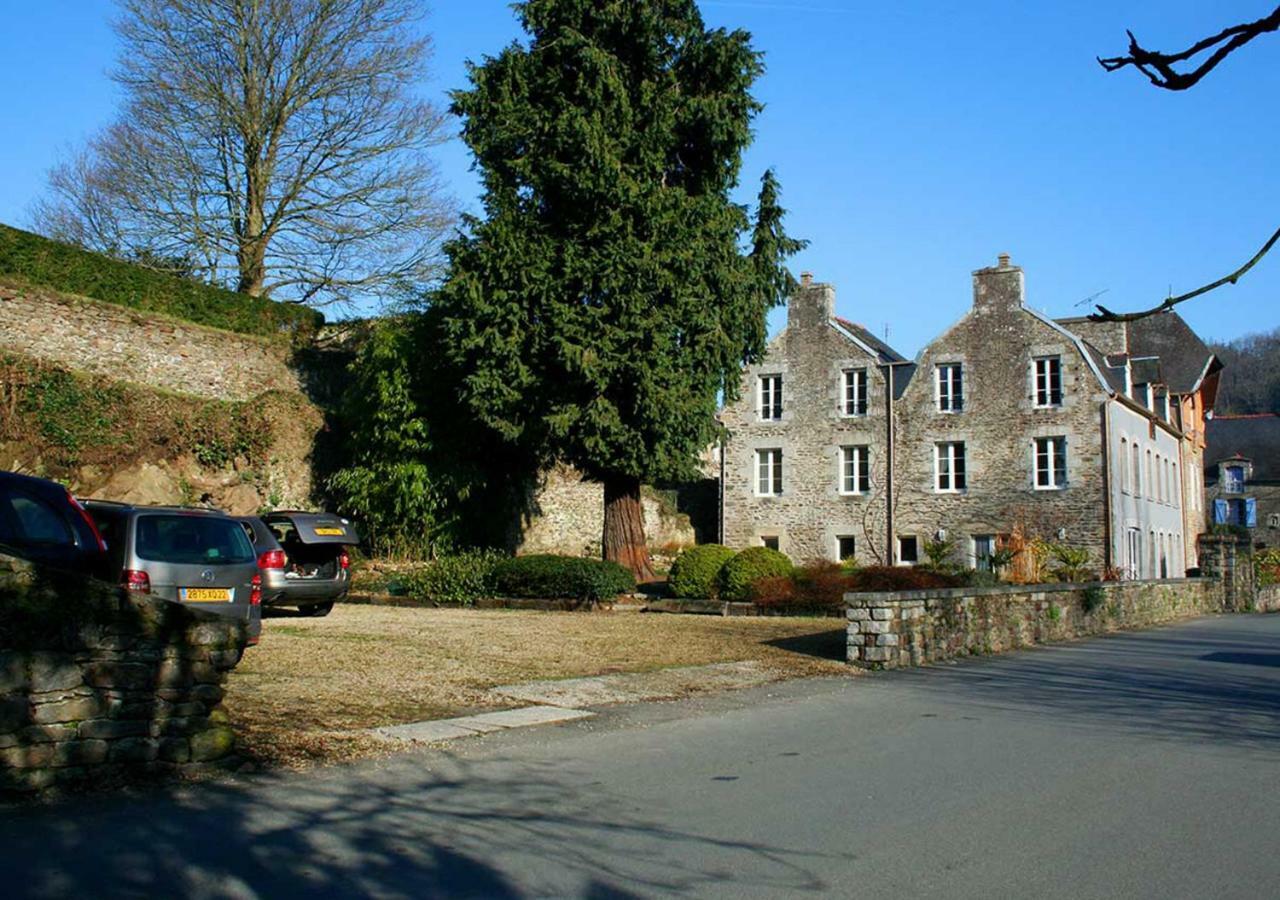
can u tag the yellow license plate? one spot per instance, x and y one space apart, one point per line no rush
206 595
330 532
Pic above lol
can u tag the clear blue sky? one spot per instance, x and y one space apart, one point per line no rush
914 142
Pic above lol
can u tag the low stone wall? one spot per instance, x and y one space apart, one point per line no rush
913 628
98 684
144 348
1267 599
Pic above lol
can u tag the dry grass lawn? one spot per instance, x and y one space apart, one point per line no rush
309 689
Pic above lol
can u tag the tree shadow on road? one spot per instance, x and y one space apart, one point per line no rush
1207 682
392 829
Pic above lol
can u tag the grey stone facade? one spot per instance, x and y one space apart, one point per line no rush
811 514
995 343
1047 429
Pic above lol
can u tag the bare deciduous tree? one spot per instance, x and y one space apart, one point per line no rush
1159 67
275 146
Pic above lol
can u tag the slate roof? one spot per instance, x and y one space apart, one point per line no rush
886 353
1256 438
1182 357
1113 374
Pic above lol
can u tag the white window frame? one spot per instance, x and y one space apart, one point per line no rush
898 550
860 456
854 394
1048 447
1044 369
846 537
768 472
769 397
950 452
949 398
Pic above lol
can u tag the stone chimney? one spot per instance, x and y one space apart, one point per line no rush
998 287
811 305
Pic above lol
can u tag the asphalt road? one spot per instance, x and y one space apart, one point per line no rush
1138 765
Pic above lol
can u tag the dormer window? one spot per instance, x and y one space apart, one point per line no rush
1233 479
1048 381
770 395
950 387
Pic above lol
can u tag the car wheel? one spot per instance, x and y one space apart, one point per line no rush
316 609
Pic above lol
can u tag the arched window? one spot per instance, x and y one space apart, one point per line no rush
1124 465
1137 472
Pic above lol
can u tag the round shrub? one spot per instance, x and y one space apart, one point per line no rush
746 568
462 579
696 571
549 577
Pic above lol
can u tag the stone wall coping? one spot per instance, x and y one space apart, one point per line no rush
874 598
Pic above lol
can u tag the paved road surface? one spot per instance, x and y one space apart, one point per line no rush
1140 765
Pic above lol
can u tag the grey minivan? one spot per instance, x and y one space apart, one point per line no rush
197 557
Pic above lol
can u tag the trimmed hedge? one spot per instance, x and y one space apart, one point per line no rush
748 567
462 579
548 577
901 578
62 267
695 573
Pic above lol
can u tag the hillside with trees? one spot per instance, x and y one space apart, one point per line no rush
1251 374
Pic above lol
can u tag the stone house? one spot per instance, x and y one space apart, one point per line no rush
806 466
1008 427
1242 475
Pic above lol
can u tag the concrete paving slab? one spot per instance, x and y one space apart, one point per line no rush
430 732
527 715
633 687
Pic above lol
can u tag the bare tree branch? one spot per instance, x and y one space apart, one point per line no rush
277 146
1105 315
1159 67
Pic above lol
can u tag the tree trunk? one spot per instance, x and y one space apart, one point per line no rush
623 541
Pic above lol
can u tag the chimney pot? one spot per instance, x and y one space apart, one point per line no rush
806 278
1003 260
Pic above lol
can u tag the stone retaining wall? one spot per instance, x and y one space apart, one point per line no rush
96 684
913 628
143 348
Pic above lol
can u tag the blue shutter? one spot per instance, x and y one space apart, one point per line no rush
1219 512
1251 512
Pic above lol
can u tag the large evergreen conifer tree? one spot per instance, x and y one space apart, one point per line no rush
612 290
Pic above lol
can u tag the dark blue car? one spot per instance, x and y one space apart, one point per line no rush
41 521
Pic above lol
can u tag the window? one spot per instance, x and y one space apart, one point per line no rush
192 540
1177 484
855 470
1051 463
1124 468
769 540
40 522
1134 556
1137 471
984 547
1236 512
1233 479
950 387
771 396
768 472
949 464
908 550
855 392
1048 381
1149 480
846 547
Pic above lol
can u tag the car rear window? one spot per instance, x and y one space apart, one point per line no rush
40 522
198 540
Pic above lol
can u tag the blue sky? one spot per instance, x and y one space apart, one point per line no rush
914 142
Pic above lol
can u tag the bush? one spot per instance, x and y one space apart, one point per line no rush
901 578
695 573
776 591
818 587
561 577
746 568
461 579
69 269
1266 567
1072 562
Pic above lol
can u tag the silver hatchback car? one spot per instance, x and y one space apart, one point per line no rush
196 557
304 558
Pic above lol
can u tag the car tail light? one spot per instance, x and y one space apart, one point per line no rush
88 520
255 592
271 559
344 560
136 580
